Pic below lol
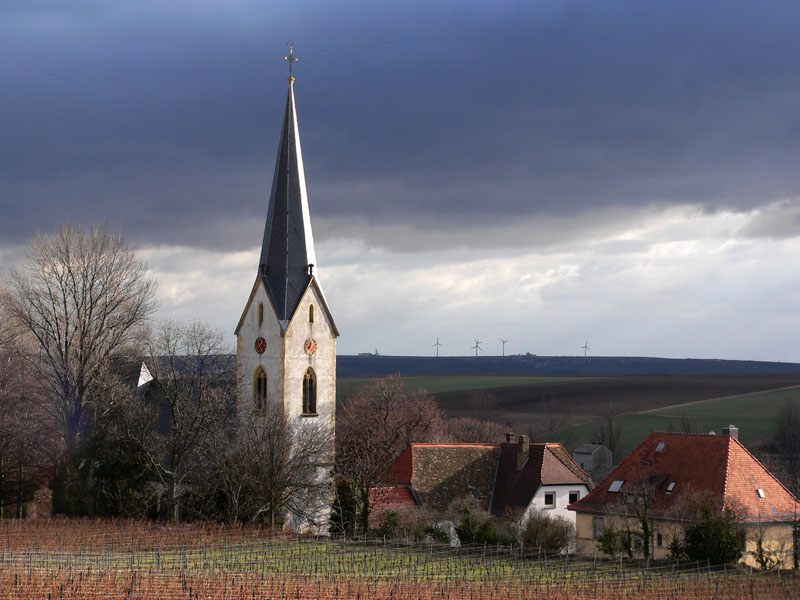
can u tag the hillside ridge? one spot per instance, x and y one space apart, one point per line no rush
377 366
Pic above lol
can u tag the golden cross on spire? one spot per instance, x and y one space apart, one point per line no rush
291 59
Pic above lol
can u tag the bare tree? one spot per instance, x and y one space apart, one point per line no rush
785 443
372 431
82 296
552 421
26 443
190 400
690 424
482 404
469 430
274 470
608 432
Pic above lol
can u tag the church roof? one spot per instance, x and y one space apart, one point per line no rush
288 246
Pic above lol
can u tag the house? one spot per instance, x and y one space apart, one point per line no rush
537 477
515 475
671 468
595 459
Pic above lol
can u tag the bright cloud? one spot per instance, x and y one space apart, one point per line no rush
681 283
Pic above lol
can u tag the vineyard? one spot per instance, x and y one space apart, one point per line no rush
138 560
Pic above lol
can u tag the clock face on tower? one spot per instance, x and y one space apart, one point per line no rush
261 345
310 346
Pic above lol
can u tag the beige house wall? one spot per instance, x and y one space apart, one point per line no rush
777 537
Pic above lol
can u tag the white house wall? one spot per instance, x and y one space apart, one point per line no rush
562 500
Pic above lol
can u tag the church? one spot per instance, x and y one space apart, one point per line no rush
286 336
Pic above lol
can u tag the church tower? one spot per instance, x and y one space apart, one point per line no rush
286 337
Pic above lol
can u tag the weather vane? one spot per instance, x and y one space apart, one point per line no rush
290 57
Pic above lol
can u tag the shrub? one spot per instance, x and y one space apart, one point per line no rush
614 542
437 534
388 523
552 534
476 525
717 538
764 558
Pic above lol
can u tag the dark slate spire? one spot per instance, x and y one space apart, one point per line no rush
287 253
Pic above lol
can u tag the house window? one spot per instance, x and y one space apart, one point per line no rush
597 527
311 313
616 486
260 314
309 393
660 447
260 390
761 494
574 496
659 540
549 499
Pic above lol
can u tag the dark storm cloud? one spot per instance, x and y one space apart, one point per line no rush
163 119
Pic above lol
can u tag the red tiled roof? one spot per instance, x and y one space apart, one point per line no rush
389 496
547 464
392 495
716 464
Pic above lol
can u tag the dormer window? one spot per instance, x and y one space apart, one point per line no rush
616 486
670 487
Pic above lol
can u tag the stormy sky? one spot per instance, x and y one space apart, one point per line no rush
548 172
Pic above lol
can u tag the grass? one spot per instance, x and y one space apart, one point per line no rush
348 386
754 414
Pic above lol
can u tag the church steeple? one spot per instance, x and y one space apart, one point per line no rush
286 336
287 252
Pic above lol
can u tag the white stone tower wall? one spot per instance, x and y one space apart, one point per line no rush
323 361
285 359
248 360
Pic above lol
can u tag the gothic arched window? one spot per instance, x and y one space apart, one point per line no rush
260 314
260 390
310 313
309 392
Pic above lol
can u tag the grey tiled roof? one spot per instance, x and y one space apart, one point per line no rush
288 246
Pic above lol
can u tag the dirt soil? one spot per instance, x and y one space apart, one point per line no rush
585 399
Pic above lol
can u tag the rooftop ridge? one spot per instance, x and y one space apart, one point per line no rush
727 468
453 445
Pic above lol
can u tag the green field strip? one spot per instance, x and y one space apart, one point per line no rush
768 396
754 414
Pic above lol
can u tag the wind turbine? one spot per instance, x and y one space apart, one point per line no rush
586 347
477 346
504 345
437 345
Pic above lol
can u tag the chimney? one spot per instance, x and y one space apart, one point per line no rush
731 430
511 438
523 448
